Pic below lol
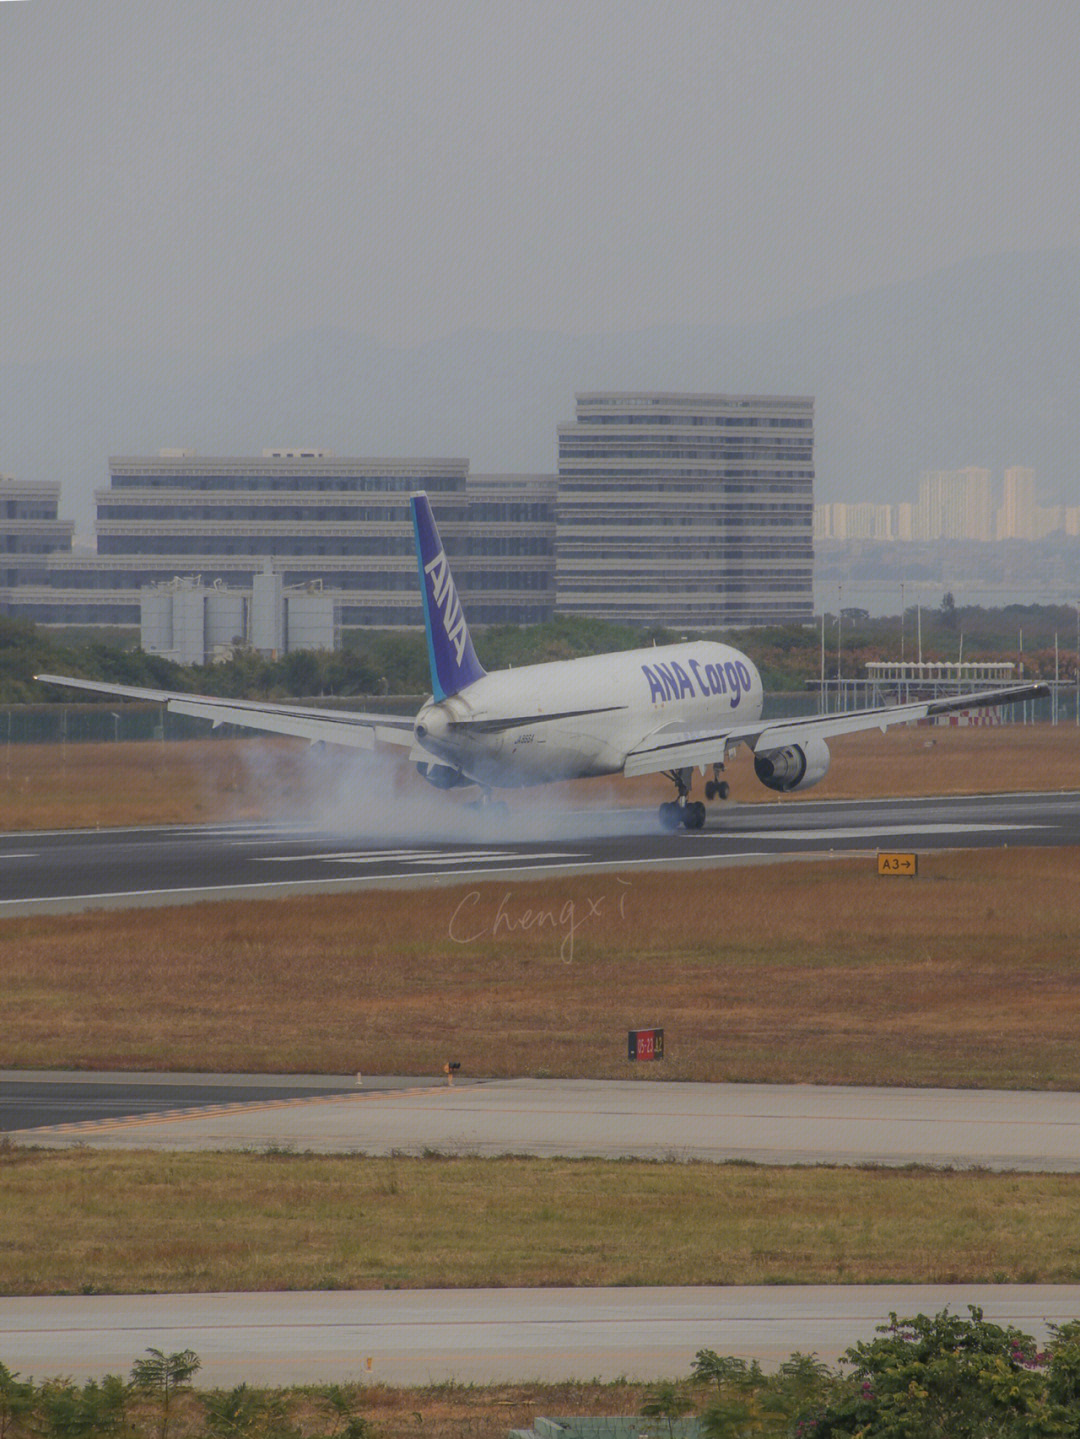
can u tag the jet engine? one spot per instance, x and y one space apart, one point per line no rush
793 767
442 776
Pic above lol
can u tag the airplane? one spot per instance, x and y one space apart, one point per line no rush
668 709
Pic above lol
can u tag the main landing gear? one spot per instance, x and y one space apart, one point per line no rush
495 810
683 810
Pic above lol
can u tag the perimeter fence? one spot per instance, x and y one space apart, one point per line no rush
113 722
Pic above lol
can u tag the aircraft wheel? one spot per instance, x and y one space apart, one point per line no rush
723 789
712 789
670 815
694 815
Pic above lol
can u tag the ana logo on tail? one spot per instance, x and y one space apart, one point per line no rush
453 661
443 590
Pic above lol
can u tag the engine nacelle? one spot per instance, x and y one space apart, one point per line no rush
793 767
442 776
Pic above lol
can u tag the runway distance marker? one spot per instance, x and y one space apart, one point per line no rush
644 1044
902 864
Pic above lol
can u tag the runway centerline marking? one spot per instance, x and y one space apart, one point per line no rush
416 856
503 854
358 855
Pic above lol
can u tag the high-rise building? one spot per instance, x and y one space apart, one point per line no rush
955 505
686 510
1016 518
884 528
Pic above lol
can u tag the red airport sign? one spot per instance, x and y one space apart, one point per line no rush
644 1044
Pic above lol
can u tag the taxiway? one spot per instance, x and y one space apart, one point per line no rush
1037 1131
485 1336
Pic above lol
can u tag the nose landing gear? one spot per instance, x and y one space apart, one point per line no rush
494 810
717 788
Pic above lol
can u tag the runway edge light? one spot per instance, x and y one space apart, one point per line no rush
902 864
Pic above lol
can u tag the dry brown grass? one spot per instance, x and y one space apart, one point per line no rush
183 1223
92 785
969 975
446 1411
89 786
468 1412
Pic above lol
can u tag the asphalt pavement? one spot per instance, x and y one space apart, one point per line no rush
66 871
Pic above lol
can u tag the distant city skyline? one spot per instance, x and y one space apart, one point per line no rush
965 504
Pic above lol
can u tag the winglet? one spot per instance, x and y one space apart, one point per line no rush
450 650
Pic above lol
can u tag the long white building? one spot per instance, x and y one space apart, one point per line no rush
314 518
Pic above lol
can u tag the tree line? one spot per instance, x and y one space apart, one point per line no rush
146 1406
939 1376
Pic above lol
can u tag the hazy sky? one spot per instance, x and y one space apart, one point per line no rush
214 176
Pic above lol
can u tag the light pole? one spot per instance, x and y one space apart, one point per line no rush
821 689
839 637
902 617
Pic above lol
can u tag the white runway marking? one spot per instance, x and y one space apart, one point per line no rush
500 854
357 856
874 831
417 856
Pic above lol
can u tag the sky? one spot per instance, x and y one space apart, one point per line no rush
211 178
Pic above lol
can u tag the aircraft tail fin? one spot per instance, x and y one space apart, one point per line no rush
450 649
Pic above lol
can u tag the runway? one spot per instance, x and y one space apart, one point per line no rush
1036 1131
68 871
414 1337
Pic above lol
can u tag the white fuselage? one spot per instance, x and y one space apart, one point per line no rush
572 719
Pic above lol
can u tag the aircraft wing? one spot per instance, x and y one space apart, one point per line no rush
664 750
360 731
